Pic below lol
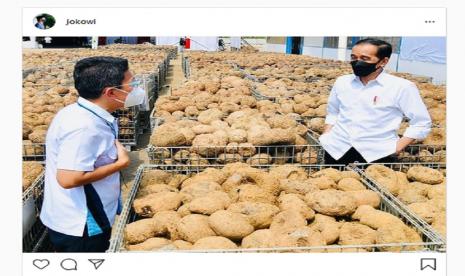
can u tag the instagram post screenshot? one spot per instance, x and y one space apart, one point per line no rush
248 141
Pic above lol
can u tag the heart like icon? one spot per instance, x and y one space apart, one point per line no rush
41 263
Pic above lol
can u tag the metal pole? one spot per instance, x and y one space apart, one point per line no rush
398 55
341 48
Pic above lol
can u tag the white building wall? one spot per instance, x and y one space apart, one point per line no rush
275 48
312 51
204 43
167 40
330 53
435 70
313 46
313 41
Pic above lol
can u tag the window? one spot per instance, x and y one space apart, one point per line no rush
331 42
395 41
276 40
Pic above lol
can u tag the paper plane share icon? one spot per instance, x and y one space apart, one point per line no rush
96 262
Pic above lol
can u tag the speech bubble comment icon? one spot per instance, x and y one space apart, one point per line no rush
68 264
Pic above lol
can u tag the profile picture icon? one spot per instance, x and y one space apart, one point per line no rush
44 21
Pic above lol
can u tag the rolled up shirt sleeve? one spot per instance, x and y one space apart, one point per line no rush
78 151
333 107
414 109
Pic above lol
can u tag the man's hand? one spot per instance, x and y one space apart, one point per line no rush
71 179
327 128
403 143
123 157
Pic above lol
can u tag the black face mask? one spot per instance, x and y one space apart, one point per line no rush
362 68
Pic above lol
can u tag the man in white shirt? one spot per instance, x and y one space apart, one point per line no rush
365 110
83 157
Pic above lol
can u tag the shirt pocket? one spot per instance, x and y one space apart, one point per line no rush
346 99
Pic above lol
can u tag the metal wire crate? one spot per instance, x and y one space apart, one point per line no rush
274 154
256 155
144 121
430 242
128 130
167 66
186 67
411 154
28 71
161 72
32 202
154 120
260 97
157 82
33 229
246 74
423 154
44 244
360 168
314 137
147 81
34 152
250 77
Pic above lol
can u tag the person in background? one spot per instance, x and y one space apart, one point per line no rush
220 44
182 43
82 192
365 110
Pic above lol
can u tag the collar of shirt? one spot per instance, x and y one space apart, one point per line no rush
97 109
380 79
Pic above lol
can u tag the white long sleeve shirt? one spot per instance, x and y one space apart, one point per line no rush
367 117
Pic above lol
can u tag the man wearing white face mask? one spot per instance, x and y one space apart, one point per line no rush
82 192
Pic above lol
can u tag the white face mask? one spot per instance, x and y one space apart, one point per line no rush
135 97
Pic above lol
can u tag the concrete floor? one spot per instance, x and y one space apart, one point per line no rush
138 155
174 78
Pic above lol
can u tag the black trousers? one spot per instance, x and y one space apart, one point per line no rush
71 244
352 155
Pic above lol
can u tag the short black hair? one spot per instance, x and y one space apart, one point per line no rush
93 74
384 48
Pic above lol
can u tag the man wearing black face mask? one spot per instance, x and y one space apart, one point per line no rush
365 110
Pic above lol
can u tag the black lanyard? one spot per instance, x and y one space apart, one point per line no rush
113 130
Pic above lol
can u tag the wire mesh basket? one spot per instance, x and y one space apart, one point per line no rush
157 83
161 73
148 82
429 241
253 155
186 67
314 137
360 168
33 151
418 153
34 231
260 97
423 154
166 64
128 130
